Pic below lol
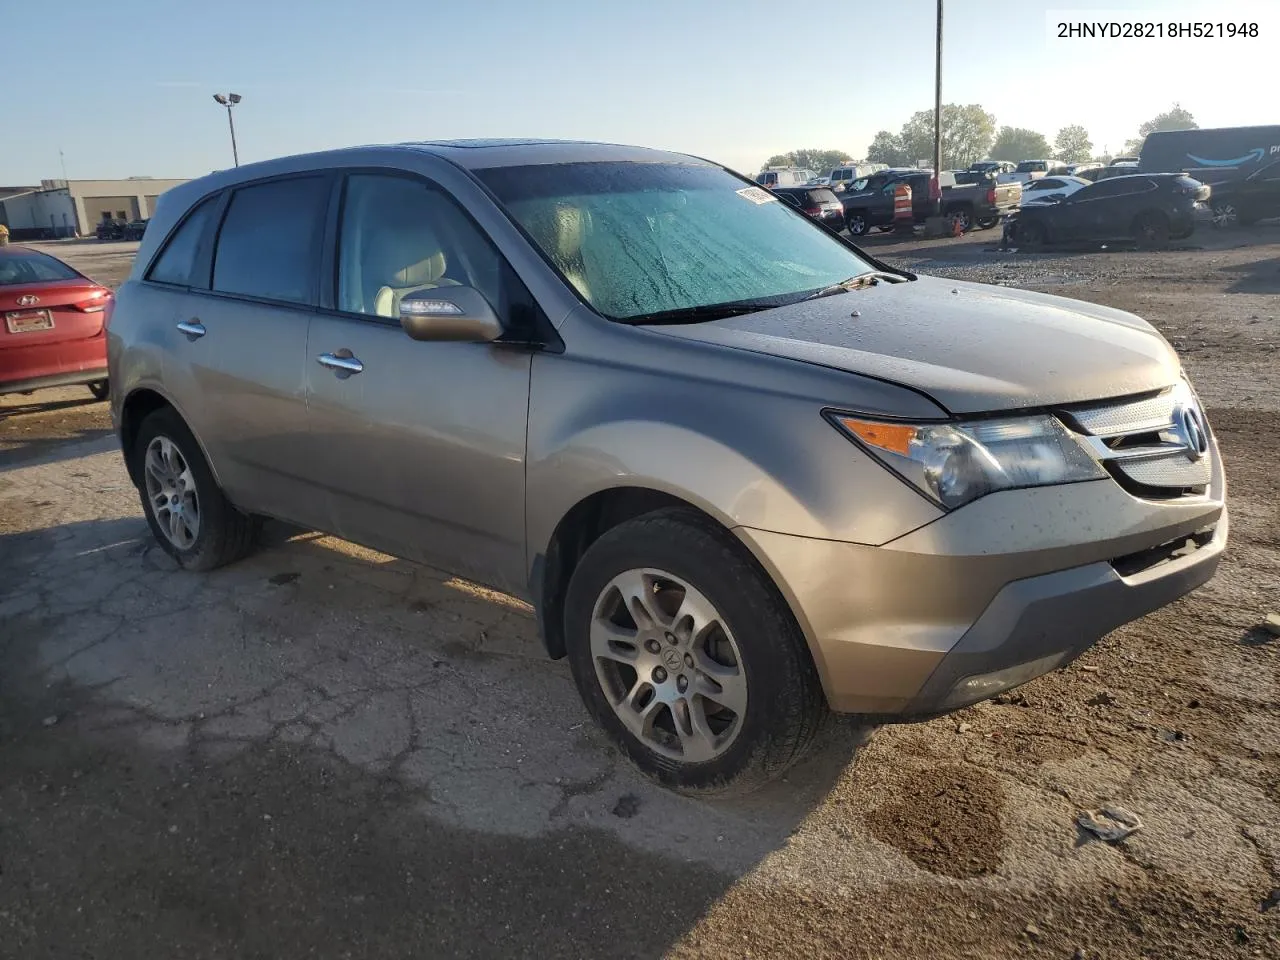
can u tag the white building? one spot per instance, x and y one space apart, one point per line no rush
67 208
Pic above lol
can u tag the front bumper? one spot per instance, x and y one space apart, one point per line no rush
992 595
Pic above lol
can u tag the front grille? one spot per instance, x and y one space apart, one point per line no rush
1125 416
1155 445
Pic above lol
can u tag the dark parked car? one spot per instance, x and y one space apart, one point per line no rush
1246 201
1150 208
134 230
1240 164
869 203
820 203
111 229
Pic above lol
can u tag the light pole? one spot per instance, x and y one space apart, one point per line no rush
230 100
937 101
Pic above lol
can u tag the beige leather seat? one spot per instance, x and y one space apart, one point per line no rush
403 259
570 227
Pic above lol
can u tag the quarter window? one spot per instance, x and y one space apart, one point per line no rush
399 236
175 263
269 240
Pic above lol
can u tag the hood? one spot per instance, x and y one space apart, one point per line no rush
972 347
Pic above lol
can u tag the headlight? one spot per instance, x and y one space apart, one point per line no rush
955 463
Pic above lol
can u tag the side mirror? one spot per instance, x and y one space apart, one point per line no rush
449 313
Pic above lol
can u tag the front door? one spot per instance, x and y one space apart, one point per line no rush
421 445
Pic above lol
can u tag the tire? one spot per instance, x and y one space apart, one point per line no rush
222 534
1151 230
681 561
886 228
857 224
1225 215
1031 236
964 217
986 223
101 389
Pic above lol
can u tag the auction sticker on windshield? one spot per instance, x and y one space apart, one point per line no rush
756 195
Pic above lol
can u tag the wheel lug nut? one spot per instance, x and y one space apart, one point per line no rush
652 646
671 637
682 683
659 675
688 660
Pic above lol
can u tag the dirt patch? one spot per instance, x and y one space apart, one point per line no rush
32 427
948 821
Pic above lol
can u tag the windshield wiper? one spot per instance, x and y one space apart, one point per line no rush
862 280
711 311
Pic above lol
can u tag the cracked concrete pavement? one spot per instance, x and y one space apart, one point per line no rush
325 751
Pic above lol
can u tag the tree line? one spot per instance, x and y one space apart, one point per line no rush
969 133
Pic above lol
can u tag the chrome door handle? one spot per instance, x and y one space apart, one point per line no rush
193 328
342 366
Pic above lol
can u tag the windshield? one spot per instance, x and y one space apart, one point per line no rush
1031 166
637 239
28 266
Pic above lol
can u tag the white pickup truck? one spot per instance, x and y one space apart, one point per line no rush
1029 170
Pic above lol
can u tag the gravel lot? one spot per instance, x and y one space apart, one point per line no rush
324 751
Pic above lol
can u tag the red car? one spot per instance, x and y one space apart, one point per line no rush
53 332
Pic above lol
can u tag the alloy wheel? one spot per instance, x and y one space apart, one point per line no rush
668 665
1224 215
171 491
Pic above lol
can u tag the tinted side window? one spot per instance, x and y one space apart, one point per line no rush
179 254
1106 188
268 243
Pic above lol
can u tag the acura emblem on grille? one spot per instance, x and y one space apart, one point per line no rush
27 300
1190 427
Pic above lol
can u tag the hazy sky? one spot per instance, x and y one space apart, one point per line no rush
125 87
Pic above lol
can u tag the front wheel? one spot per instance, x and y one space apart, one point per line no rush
686 654
1030 235
1225 215
188 514
962 217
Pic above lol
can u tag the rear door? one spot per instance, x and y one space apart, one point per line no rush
422 449
240 343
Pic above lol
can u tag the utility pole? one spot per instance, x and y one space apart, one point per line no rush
229 101
937 100
63 161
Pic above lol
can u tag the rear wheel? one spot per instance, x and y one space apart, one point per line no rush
1225 215
187 512
857 224
688 657
986 223
100 389
1151 230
